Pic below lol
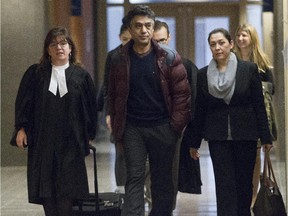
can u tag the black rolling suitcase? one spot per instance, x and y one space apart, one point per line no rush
99 204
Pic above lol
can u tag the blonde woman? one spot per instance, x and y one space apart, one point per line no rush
248 49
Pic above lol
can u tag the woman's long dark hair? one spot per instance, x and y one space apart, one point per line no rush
52 34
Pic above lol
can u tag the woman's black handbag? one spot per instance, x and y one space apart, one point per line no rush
269 201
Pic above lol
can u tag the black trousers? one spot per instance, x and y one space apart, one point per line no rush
158 143
233 164
120 167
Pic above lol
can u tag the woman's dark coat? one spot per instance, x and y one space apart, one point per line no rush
31 114
189 175
246 111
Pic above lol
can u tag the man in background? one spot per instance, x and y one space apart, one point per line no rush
120 166
188 180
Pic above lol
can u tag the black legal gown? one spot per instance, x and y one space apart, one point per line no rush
58 130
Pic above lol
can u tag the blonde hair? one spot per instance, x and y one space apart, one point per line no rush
257 55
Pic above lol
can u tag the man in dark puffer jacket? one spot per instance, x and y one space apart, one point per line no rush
149 102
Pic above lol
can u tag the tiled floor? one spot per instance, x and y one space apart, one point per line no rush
14 190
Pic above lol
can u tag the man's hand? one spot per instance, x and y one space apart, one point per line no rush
108 123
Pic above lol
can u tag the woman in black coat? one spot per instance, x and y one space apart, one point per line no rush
230 114
55 117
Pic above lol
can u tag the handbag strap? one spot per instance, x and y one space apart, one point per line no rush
268 167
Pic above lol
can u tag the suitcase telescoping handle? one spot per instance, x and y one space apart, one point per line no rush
97 209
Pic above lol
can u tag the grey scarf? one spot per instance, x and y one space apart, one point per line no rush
222 84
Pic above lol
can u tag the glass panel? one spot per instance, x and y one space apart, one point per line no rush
115 1
114 22
253 14
203 26
171 22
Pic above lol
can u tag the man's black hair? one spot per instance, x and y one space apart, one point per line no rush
138 10
123 28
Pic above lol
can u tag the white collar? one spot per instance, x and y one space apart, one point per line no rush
58 79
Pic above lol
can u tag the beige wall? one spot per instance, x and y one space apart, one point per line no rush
285 54
279 97
22 33
268 35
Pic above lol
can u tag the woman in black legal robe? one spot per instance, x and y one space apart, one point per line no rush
55 117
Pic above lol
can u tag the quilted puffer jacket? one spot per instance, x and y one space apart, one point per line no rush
173 81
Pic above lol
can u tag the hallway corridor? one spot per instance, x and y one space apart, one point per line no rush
14 190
